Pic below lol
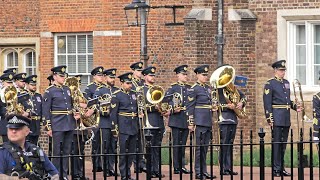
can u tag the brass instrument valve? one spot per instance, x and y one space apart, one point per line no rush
48 125
191 120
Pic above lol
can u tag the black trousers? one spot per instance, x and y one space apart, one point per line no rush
179 135
279 132
126 142
206 135
157 135
103 143
79 143
228 133
141 162
66 137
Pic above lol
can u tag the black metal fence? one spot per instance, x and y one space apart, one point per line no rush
303 151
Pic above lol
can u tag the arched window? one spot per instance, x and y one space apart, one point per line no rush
12 60
30 62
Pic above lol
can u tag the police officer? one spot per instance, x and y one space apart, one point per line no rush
155 119
137 80
36 113
277 105
199 109
19 82
21 158
98 79
124 112
178 118
228 126
59 117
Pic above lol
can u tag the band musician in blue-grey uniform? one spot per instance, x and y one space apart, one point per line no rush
199 109
178 120
316 117
7 80
23 159
137 84
155 118
124 112
11 70
277 105
36 113
98 79
104 135
60 120
228 121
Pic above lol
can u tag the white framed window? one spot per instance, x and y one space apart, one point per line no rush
76 51
304 52
30 64
11 60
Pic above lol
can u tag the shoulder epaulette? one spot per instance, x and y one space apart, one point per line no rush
49 87
174 84
90 84
116 91
194 85
318 95
188 84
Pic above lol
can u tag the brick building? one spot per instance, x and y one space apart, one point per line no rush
36 35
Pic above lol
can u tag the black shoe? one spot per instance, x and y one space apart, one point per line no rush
225 172
143 169
125 178
159 175
276 173
176 171
185 170
99 169
232 172
209 176
153 175
285 173
198 176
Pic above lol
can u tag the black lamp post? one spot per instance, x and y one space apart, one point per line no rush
132 12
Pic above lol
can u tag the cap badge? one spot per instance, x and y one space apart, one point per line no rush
283 64
100 69
14 120
113 72
140 64
152 70
34 79
63 69
130 76
23 76
206 69
14 71
10 76
185 68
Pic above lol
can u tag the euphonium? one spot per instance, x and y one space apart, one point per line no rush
9 96
223 77
77 98
155 96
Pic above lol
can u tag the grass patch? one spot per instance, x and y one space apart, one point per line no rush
246 157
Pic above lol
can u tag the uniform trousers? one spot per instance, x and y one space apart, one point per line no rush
280 133
179 137
206 135
227 135
66 137
126 142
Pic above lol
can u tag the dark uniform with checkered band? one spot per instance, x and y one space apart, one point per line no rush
178 121
277 105
124 112
58 117
17 162
199 109
36 113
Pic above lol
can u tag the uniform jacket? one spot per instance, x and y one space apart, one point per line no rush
105 121
125 103
90 90
277 103
199 105
316 116
58 98
36 115
179 119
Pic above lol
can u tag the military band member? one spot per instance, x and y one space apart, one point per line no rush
178 120
316 117
50 79
36 114
155 119
10 70
137 79
98 79
277 105
199 109
19 82
21 158
59 117
124 112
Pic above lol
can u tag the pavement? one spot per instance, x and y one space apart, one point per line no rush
246 173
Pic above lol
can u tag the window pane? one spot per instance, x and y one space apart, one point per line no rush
316 75
317 33
61 44
71 44
82 44
62 60
301 74
317 54
29 71
82 64
12 59
301 34
301 54
72 64
90 44
30 59
90 63
84 82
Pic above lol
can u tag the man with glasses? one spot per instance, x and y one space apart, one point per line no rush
124 113
199 110
277 105
36 114
60 120
178 120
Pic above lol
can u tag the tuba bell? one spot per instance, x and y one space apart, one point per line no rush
9 96
77 98
155 96
223 77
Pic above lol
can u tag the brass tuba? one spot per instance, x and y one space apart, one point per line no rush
9 96
223 77
77 98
